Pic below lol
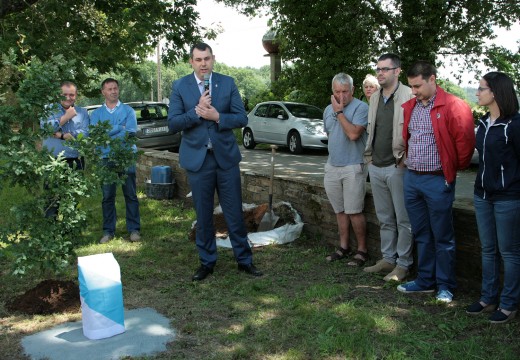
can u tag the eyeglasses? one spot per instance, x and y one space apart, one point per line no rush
385 69
480 89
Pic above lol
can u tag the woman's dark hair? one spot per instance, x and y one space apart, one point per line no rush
503 89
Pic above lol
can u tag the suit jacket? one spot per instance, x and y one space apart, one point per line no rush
197 131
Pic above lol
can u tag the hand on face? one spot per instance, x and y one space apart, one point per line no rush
341 97
337 105
69 93
70 113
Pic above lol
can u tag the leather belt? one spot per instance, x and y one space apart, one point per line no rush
436 172
210 150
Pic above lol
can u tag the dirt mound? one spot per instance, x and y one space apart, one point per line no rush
48 297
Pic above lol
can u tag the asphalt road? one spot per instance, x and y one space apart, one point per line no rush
310 165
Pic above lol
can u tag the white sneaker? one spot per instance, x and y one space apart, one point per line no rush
398 274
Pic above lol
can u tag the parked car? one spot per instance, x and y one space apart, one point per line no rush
290 124
152 125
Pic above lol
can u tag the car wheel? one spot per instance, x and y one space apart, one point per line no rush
295 143
248 140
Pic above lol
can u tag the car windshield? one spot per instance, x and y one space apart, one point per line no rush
146 112
305 111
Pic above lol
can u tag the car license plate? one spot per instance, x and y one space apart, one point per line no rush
156 130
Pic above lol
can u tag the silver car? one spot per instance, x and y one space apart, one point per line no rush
152 126
290 124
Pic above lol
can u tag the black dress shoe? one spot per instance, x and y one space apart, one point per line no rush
250 269
202 273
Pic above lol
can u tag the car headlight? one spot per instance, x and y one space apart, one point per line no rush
316 130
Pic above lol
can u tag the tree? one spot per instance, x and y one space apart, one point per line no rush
99 35
34 240
325 37
250 81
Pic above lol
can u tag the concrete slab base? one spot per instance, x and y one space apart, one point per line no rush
147 332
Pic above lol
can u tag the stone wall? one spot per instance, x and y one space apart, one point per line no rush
310 199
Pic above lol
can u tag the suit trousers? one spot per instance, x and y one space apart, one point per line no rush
226 182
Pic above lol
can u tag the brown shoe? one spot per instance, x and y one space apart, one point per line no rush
398 274
381 266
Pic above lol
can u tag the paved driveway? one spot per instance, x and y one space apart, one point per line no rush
309 166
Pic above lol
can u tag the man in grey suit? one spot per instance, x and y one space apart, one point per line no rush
206 107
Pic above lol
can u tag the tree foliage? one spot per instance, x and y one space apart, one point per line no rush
32 239
99 35
250 81
325 37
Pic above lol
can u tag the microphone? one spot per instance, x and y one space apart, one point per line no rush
206 82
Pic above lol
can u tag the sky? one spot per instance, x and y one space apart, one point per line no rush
240 44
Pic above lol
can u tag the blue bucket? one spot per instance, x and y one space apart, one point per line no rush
161 175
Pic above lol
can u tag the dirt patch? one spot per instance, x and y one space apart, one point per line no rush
252 218
48 297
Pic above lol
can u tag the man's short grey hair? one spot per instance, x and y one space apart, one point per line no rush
343 79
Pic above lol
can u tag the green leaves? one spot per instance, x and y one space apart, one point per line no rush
322 38
37 238
102 35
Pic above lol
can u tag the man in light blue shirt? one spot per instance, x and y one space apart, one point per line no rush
123 121
345 121
67 122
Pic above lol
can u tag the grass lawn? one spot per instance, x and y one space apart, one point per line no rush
302 308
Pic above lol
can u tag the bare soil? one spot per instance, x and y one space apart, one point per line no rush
48 297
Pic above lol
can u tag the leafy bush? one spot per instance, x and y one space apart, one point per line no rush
34 240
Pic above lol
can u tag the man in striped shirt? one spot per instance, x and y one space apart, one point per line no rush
439 136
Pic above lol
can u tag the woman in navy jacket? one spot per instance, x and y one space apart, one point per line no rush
497 197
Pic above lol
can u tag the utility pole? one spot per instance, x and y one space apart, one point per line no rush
151 88
159 92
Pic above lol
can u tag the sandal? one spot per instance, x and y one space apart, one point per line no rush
359 259
339 254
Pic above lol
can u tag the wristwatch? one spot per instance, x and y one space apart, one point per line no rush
337 113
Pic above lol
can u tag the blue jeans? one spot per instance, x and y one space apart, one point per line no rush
428 200
499 234
133 221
